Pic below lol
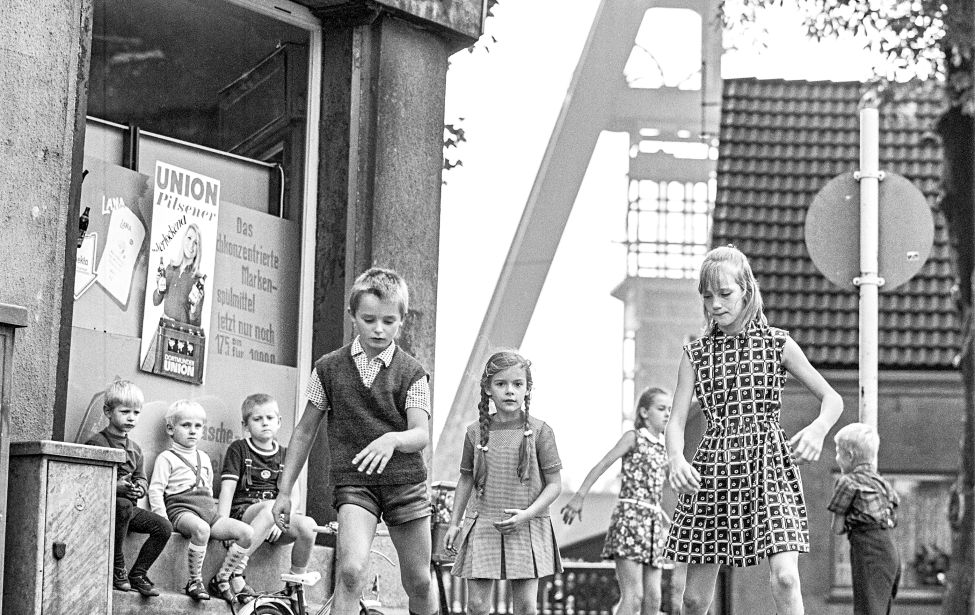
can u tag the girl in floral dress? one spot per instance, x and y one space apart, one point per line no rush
638 529
511 464
741 499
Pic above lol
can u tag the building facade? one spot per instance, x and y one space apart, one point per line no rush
294 143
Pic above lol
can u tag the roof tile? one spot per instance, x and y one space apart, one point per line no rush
781 141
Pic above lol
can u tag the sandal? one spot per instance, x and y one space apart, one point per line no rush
222 589
195 590
246 593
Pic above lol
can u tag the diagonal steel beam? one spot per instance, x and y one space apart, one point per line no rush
589 106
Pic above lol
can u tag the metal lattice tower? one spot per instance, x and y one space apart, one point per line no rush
662 122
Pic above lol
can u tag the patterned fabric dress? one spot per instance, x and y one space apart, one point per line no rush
482 551
637 530
750 504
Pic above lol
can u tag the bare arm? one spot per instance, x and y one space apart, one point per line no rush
838 523
573 508
377 454
462 493
549 493
683 477
298 448
807 444
226 498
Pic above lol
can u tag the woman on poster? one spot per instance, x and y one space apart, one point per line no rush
179 285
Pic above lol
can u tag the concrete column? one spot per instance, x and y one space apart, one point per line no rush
45 49
383 91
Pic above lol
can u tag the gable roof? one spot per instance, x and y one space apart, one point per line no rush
781 141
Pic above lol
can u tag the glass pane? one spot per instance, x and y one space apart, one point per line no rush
209 73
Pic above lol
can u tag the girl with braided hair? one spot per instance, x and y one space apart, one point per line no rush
511 465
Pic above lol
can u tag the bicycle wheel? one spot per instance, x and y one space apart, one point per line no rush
272 608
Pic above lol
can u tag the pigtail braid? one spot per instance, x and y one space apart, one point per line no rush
523 452
484 429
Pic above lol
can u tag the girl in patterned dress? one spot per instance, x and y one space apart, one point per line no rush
637 531
741 497
511 464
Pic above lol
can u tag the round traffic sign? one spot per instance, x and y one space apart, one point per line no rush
833 230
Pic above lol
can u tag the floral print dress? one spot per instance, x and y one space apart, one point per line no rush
638 528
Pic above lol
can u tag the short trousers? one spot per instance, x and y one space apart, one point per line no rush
195 501
394 504
240 506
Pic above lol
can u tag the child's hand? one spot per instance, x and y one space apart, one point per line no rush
449 538
273 534
136 491
374 457
572 510
807 444
513 523
281 511
123 486
683 477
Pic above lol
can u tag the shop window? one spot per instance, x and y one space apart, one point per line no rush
922 536
210 73
200 156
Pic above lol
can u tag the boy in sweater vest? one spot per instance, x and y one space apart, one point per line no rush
375 399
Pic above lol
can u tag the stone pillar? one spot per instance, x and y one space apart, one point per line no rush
383 87
45 49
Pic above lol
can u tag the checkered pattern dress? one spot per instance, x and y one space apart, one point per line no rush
638 528
531 552
750 504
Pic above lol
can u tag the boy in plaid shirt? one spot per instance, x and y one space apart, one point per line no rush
863 506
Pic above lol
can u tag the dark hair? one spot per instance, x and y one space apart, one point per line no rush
499 362
645 401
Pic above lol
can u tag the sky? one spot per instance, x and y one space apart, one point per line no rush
507 97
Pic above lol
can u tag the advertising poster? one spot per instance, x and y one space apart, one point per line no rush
178 298
115 202
256 287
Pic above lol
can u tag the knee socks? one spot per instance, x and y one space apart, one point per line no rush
241 565
234 554
195 555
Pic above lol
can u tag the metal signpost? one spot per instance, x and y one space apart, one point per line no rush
856 247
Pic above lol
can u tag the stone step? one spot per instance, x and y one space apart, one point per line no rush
264 569
178 603
263 572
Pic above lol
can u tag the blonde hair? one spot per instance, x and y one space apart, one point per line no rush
179 407
714 265
252 402
177 260
385 284
499 362
858 440
123 393
645 401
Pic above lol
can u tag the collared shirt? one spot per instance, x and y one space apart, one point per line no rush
418 395
864 498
